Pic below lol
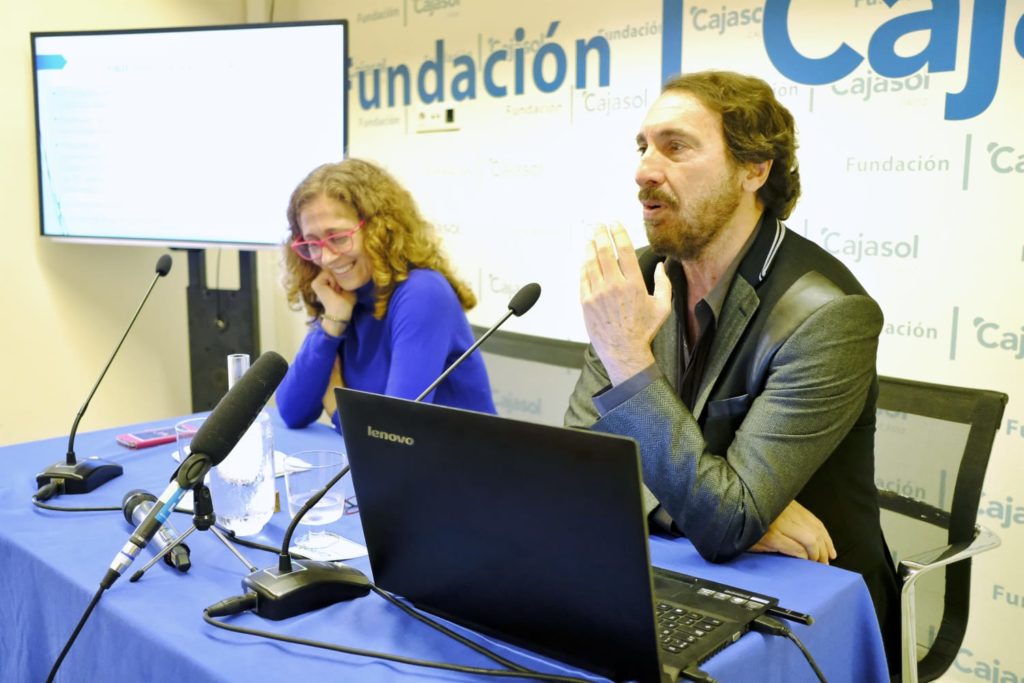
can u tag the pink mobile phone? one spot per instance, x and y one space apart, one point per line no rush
146 437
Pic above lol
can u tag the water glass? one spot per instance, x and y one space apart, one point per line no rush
242 485
305 474
183 433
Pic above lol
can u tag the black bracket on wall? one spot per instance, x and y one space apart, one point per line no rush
220 322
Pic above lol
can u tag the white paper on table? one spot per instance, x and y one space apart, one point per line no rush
341 549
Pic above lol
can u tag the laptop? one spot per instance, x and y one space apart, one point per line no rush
531 533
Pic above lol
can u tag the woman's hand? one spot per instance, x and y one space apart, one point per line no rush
338 303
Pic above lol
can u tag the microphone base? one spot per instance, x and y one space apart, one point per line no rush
81 477
310 585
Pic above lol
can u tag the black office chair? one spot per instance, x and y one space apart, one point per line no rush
932 445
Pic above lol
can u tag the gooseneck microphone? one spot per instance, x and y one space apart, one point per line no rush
283 591
213 441
521 302
136 505
69 475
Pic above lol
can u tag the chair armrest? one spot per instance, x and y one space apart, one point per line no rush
911 567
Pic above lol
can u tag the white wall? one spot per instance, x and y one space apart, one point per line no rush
65 305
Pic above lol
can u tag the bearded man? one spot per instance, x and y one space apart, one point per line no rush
738 354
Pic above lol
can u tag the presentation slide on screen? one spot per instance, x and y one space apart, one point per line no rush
185 135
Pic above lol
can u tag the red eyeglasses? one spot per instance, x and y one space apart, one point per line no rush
338 243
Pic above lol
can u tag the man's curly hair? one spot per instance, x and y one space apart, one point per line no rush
757 128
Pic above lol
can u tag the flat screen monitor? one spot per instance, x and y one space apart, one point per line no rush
184 136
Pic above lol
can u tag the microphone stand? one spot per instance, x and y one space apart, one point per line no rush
213 441
189 475
71 476
221 432
523 300
284 592
203 519
458 361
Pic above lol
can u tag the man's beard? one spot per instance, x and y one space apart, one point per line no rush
685 234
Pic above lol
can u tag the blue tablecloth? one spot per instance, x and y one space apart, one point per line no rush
153 630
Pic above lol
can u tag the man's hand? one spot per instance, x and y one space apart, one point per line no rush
621 317
798 533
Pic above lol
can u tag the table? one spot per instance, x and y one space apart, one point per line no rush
153 630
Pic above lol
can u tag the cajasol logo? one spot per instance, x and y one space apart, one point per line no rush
722 19
1005 513
1005 158
982 668
991 335
428 7
856 248
994 335
509 403
516 66
986 27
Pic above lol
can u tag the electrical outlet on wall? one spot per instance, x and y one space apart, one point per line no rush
437 119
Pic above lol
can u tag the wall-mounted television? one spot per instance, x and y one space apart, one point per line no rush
184 136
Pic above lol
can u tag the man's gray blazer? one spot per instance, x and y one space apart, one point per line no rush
785 410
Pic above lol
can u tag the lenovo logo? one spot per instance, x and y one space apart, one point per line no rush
388 436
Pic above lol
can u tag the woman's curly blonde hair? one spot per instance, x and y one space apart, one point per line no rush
395 236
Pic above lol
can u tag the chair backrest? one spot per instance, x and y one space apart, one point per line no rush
932 445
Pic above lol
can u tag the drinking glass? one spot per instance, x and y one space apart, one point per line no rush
305 473
183 433
242 485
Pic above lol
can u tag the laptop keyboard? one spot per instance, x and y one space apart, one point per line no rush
680 628
696 618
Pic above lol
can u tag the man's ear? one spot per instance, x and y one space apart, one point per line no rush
756 175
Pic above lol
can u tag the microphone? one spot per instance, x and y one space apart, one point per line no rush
136 505
521 302
69 475
283 592
213 441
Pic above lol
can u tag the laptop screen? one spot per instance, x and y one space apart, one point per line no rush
535 534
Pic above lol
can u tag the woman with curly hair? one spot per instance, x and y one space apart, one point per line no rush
387 314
